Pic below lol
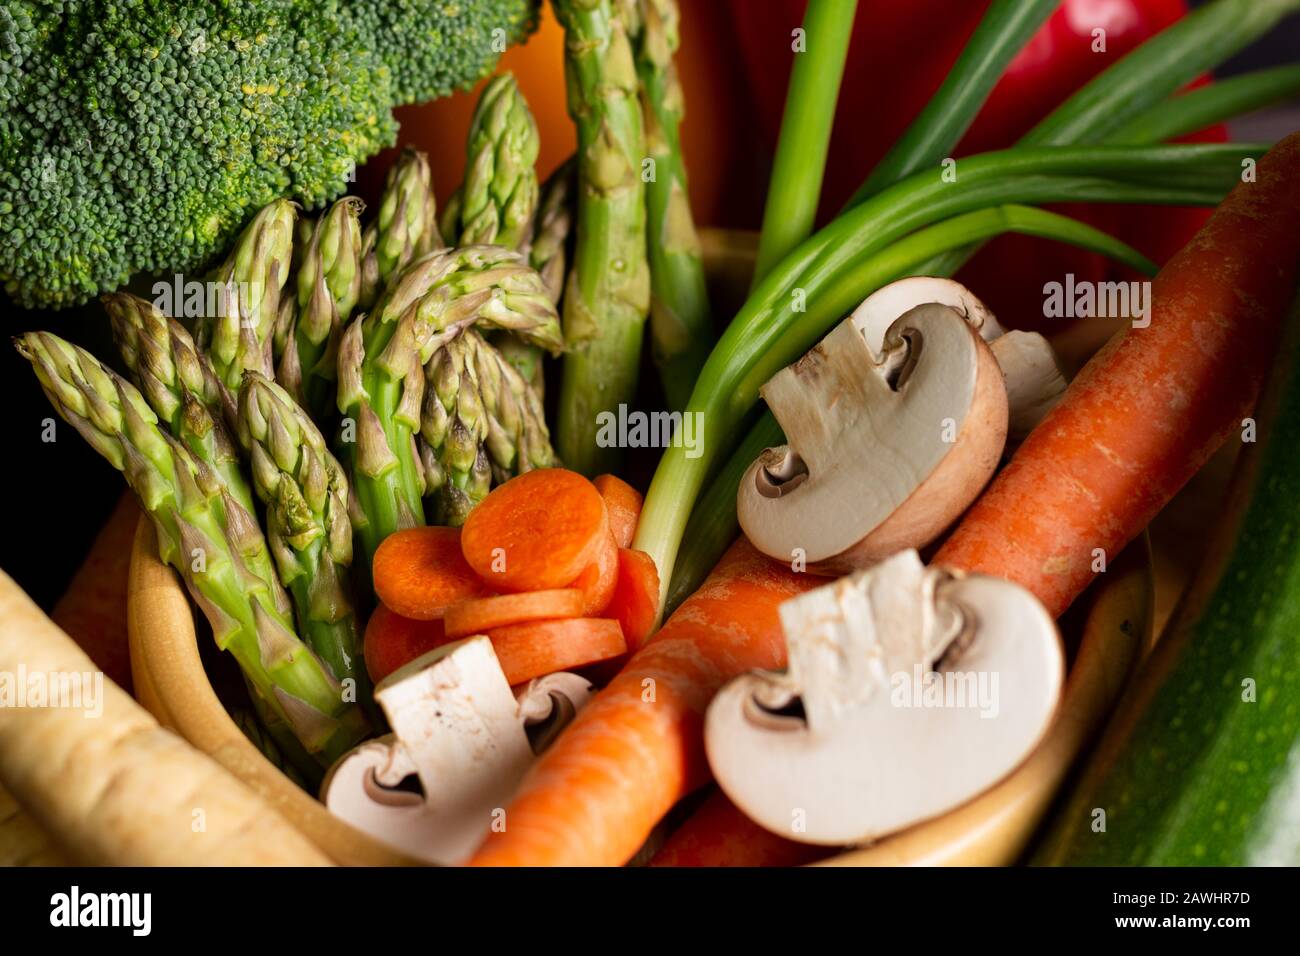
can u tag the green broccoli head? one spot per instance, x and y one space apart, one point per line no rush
139 135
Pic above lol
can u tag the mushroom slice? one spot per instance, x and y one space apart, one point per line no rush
909 691
1033 376
886 449
459 732
879 310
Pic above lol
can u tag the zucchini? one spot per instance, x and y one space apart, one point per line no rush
1200 764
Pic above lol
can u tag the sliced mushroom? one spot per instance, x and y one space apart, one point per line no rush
1033 376
909 691
886 450
461 742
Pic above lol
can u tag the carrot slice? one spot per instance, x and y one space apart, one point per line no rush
636 596
544 647
536 532
483 614
598 581
419 572
393 641
624 505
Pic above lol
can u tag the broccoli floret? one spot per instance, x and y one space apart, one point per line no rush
139 135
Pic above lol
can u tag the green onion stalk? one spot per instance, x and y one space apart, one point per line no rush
822 279
607 297
207 537
805 137
681 323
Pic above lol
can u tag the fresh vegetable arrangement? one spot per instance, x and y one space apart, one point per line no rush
379 456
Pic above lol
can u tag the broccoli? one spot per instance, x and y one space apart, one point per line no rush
139 135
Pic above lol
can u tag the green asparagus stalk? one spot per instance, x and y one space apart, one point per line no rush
482 424
203 533
607 297
547 250
240 336
381 369
370 284
406 227
329 284
499 196
306 497
681 325
180 386
272 737
498 201
449 221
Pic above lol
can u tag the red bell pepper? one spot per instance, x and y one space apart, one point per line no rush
899 55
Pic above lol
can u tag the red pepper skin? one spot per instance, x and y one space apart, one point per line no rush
898 57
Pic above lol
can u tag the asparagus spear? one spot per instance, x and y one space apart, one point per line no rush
547 250
180 386
381 369
482 424
205 534
406 226
499 195
607 295
329 284
306 497
681 325
239 336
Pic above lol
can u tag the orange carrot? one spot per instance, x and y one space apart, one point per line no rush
718 834
598 581
482 614
1151 406
93 608
536 532
638 747
419 572
636 596
624 505
544 647
392 641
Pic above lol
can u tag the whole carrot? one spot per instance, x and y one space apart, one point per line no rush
93 608
1151 406
637 748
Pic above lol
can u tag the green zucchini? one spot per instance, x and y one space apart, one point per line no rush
1200 765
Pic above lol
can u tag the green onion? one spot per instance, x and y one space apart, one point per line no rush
805 294
712 526
1202 107
800 163
1005 29
1162 65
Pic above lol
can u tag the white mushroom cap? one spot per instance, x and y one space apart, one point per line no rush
885 451
847 745
458 728
879 310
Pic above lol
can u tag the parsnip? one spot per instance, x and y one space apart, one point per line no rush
110 784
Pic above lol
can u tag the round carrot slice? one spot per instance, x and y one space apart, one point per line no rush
636 596
483 614
539 648
536 532
624 505
393 641
598 580
419 572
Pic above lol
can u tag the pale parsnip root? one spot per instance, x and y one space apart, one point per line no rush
117 788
